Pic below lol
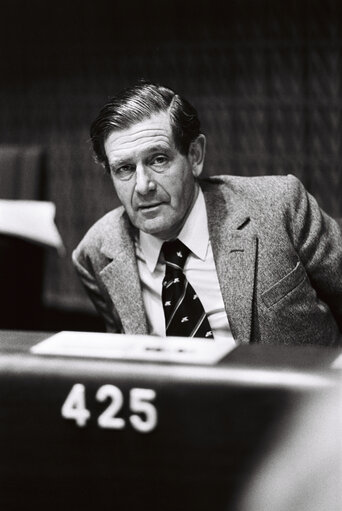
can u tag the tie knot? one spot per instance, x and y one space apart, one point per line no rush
175 254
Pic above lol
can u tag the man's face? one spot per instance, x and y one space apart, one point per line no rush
154 182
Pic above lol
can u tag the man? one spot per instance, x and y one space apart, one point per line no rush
254 257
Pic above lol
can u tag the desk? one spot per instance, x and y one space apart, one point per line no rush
212 426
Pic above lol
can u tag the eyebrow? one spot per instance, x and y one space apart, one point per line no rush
158 148
118 163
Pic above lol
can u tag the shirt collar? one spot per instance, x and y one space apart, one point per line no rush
194 235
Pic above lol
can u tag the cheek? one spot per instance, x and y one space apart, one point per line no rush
182 193
179 187
124 194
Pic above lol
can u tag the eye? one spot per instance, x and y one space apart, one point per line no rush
159 160
124 172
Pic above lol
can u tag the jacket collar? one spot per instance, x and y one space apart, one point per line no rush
121 277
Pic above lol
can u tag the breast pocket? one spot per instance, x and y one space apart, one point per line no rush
284 286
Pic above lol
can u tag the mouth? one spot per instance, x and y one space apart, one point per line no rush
150 210
147 207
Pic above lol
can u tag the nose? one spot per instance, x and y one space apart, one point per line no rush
143 184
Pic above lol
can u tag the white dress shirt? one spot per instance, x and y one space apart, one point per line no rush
199 269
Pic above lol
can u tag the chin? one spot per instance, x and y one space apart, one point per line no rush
160 230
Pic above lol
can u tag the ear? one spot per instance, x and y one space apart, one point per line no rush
197 154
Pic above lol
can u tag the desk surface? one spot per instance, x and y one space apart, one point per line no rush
206 425
253 355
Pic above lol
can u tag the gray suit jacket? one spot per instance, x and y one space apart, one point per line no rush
278 259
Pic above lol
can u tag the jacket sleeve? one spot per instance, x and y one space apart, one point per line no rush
318 241
96 291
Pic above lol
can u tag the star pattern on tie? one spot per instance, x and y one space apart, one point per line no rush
183 310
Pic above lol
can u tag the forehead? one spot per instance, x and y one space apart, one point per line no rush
154 131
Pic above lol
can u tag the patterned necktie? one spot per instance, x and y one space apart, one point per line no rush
184 313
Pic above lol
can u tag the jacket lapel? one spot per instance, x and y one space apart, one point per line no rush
234 247
121 278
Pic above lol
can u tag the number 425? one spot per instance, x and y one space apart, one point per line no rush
74 407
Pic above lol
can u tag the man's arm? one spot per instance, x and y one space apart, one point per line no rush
318 240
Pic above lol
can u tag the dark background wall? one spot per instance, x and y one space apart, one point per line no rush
265 75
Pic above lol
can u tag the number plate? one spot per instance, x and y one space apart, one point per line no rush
143 413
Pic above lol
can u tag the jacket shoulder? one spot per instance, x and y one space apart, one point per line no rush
270 199
254 187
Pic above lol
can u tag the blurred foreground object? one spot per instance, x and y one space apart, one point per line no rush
26 227
31 220
301 469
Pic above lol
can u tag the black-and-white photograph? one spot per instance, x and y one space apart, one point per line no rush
171 255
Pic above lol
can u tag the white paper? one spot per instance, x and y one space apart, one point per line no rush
32 220
136 347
